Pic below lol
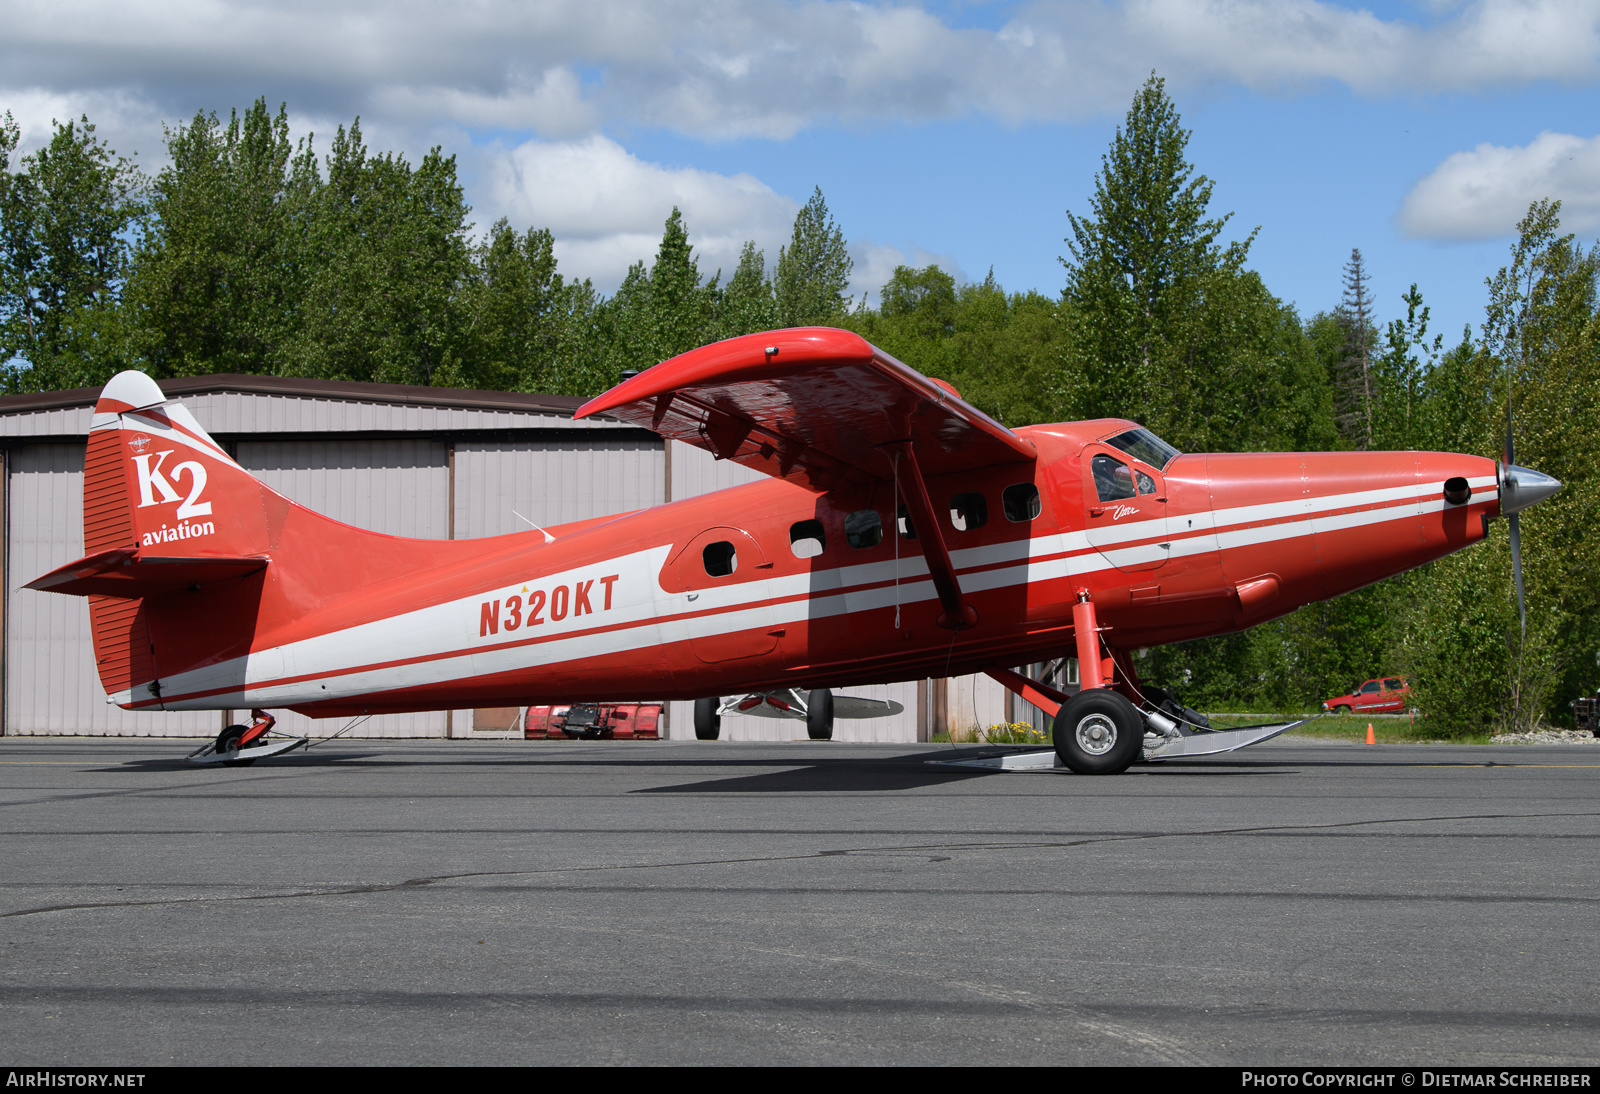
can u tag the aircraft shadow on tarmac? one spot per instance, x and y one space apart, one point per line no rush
840 774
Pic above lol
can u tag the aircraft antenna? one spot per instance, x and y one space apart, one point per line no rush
548 538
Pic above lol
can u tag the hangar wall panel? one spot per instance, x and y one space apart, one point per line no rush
553 481
696 471
51 683
400 486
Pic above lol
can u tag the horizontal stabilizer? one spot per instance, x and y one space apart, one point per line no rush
123 572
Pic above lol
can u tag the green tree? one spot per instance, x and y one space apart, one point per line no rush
813 270
1136 261
1403 418
1473 668
66 218
385 250
680 306
520 314
220 278
1353 394
746 304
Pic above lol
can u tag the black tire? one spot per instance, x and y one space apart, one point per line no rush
1098 732
707 722
228 741
1340 710
819 714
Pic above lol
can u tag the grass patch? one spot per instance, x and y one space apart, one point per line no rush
1387 731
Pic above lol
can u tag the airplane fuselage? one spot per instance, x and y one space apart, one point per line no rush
771 585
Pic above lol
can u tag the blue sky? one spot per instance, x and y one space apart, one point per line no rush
955 132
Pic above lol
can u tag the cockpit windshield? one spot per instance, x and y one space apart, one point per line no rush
1144 445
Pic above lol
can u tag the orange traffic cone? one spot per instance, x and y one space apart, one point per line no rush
1371 740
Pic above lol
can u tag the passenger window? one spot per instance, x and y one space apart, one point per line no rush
968 512
1113 479
903 523
1147 485
1021 502
863 528
806 538
1394 685
720 558
1369 688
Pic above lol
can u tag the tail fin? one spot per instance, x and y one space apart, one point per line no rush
192 563
164 508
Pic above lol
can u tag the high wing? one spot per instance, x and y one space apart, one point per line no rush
814 405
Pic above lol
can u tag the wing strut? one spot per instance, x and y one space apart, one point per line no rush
958 615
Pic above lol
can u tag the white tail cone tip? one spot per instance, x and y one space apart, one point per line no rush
130 390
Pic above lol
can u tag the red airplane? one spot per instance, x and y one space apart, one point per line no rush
901 534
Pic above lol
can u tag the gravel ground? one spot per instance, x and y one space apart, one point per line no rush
1547 737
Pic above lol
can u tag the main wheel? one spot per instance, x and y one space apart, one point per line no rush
228 741
707 722
1097 732
819 715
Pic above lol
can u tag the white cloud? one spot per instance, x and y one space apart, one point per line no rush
729 68
1482 194
606 207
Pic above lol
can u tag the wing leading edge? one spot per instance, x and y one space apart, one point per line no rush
814 405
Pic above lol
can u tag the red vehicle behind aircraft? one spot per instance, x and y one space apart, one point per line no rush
900 534
1384 695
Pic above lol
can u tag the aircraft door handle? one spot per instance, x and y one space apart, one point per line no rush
1097 510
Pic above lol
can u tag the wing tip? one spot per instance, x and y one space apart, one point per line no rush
745 356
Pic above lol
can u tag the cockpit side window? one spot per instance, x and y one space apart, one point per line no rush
1147 485
1144 445
1113 479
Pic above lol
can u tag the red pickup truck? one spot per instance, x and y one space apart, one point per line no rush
1385 695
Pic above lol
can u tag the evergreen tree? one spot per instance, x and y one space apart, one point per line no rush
680 306
1353 380
814 270
1136 261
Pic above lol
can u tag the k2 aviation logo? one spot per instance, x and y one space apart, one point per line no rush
156 488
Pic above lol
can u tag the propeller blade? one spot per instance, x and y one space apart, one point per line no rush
1516 570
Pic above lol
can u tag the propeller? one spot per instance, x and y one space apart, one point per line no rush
1508 480
1520 487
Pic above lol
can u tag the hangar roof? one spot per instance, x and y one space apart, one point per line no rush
235 403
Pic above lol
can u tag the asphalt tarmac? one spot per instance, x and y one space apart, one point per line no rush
397 902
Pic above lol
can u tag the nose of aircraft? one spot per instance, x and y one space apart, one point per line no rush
1521 487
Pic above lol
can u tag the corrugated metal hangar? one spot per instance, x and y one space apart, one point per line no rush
409 461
